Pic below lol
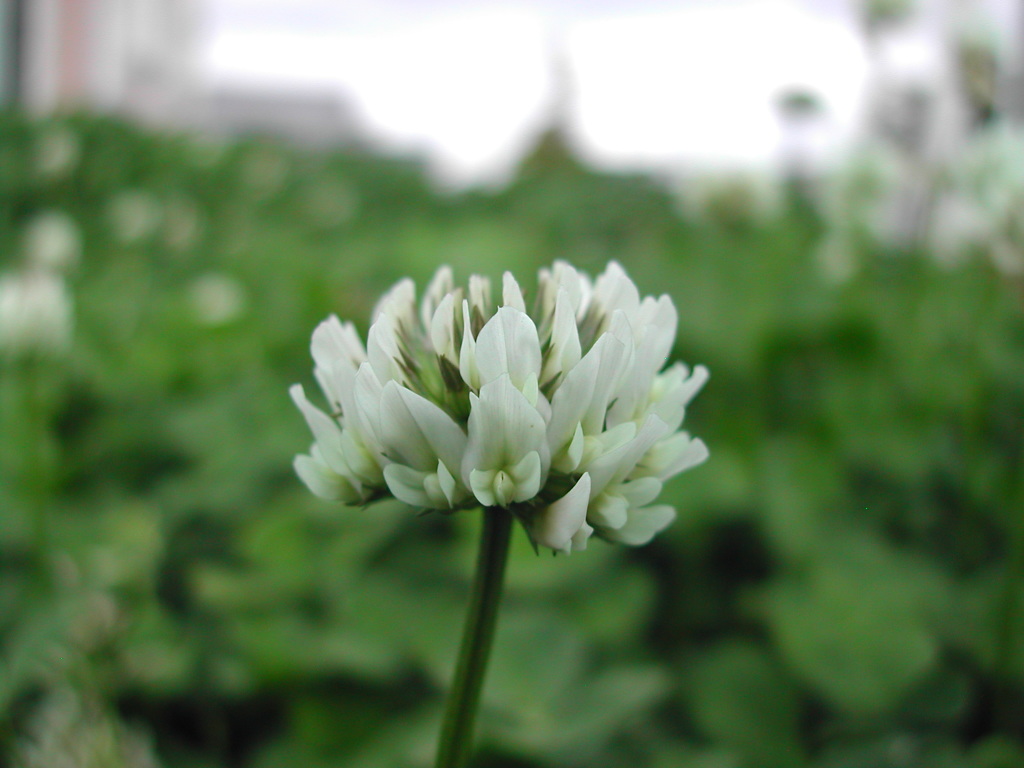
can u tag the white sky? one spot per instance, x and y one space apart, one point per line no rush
652 83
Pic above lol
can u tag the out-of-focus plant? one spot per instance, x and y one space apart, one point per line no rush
52 242
841 588
35 315
980 210
731 199
57 150
68 732
878 15
863 207
134 215
979 56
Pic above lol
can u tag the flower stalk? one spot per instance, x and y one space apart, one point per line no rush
456 739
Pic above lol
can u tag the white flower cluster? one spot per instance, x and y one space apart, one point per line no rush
52 241
35 306
731 199
868 205
981 208
35 314
561 415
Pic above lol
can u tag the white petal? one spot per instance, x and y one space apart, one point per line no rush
467 356
613 290
616 364
503 428
511 295
504 488
673 391
568 460
694 383
675 454
336 383
445 437
564 351
382 350
579 539
406 484
596 446
364 462
367 393
398 304
657 321
324 482
435 493
480 298
508 343
334 341
655 330
440 286
531 391
481 482
338 352
417 432
527 476
642 525
448 484
556 525
615 465
442 328
325 430
574 400
576 283
562 276
608 511
640 492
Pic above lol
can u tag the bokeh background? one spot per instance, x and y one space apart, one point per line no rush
831 192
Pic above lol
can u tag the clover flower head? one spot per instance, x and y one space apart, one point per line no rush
52 241
561 414
35 314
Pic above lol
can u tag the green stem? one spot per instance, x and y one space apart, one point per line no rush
456 740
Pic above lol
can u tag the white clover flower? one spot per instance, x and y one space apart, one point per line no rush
52 241
68 730
57 152
217 299
981 209
731 198
182 223
563 415
35 314
134 215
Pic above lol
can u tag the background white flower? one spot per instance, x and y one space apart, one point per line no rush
35 314
562 415
52 241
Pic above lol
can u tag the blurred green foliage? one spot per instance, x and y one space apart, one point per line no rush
843 588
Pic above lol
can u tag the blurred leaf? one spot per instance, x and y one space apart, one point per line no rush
896 751
740 697
997 752
856 625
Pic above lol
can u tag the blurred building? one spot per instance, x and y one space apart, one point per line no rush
132 57
317 117
141 59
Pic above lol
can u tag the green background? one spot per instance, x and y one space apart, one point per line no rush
842 588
